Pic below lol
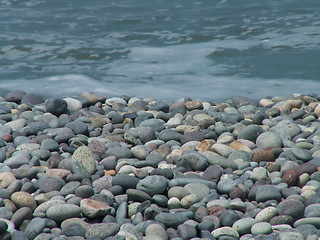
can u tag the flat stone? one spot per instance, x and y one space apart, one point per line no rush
263 156
153 185
172 219
313 210
222 149
84 155
268 192
119 152
212 173
287 235
199 189
261 228
269 139
125 181
5 179
197 161
138 195
49 184
102 230
239 146
156 230
167 135
24 199
35 227
315 221
93 209
225 231
78 127
281 219
32 99
243 225
61 212
301 154
23 213
266 214
184 181
226 185
49 144
250 132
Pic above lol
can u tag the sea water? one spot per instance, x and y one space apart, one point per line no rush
164 49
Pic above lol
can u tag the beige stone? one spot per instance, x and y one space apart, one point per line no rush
92 208
265 102
24 199
239 146
5 179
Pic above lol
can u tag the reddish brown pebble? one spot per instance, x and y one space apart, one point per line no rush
263 156
238 193
290 177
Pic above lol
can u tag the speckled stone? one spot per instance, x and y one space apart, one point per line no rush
84 155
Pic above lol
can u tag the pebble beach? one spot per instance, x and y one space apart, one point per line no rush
128 168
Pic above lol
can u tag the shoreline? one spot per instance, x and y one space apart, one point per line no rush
92 167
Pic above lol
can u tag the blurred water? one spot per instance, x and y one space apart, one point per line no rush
162 49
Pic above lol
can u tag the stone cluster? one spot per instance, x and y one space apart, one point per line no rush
92 167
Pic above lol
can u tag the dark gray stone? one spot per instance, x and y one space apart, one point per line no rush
153 184
268 192
125 181
78 127
49 184
32 99
35 227
167 135
56 106
250 132
15 96
49 144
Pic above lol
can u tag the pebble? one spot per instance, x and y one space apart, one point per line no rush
102 230
225 231
112 168
24 199
84 155
56 106
269 139
243 225
268 192
94 209
266 214
261 228
61 212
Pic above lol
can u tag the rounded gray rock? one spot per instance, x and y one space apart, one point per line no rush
269 139
268 192
250 132
197 161
153 185
56 106
61 212
102 230
49 144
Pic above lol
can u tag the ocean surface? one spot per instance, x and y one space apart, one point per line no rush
164 49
